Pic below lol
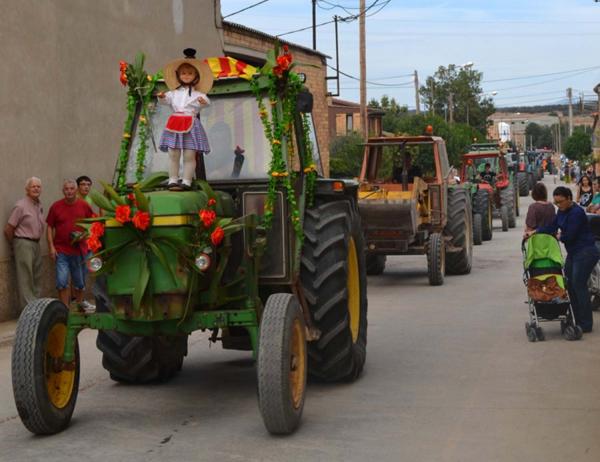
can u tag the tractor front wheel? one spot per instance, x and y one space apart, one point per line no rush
436 259
523 181
477 230
482 205
281 366
45 388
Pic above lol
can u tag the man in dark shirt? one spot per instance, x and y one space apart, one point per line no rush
488 174
582 254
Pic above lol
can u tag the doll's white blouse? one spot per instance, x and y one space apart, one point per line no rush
181 101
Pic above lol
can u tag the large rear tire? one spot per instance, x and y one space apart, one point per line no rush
281 364
375 264
131 359
482 205
333 276
523 182
460 228
45 389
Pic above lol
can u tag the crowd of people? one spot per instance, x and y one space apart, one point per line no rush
25 229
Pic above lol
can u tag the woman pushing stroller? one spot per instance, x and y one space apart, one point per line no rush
573 230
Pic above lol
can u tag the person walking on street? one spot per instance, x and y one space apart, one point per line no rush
541 212
582 254
66 250
84 184
585 191
24 230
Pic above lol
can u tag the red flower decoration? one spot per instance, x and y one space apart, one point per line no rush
208 217
217 236
141 220
123 214
131 197
283 63
97 229
94 243
123 78
211 202
122 66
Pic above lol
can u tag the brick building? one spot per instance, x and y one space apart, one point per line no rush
251 46
344 117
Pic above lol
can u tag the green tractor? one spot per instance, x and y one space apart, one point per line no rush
266 255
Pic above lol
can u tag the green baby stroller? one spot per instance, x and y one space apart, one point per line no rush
547 296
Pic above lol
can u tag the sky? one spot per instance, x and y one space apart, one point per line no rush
509 41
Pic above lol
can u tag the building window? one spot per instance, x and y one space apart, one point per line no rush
349 123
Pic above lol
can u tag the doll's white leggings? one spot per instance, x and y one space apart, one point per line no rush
189 165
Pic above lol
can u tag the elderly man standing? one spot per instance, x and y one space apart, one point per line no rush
65 249
24 230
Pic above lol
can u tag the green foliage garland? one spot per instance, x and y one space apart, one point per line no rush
141 86
283 87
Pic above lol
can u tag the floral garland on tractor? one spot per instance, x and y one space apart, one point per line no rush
133 212
141 88
283 87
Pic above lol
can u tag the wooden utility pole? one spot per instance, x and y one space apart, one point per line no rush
314 23
570 96
417 102
364 123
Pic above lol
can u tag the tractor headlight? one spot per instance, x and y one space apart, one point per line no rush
95 264
202 262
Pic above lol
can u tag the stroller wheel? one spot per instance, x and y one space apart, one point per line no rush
573 333
531 333
595 302
540 334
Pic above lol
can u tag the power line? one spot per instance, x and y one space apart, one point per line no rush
542 82
244 9
368 81
542 75
350 18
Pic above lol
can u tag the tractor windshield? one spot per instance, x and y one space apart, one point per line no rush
418 159
239 148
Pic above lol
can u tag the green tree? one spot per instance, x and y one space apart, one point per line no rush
464 84
541 136
345 156
578 146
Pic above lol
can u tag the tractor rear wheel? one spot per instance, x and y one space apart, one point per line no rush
482 205
477 230
460 229
281 364
436 259
44 387
523 182
132 359
333 276
376 264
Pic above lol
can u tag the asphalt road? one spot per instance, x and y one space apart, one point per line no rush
450 376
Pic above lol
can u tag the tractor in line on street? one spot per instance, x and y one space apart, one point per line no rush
410 206
263 253
498 183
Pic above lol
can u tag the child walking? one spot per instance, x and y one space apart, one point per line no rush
188 80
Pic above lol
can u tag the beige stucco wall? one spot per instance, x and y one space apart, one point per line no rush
61 100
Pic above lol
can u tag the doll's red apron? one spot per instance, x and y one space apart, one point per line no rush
180 123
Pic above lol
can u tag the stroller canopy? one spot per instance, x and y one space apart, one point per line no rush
543 251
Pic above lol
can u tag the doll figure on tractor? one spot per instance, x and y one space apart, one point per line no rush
264 254
485 165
